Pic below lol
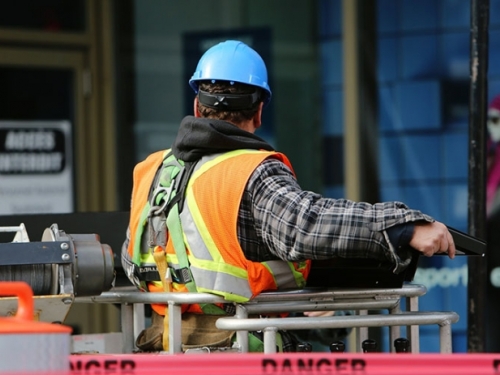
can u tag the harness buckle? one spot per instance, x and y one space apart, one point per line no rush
181 275
158 209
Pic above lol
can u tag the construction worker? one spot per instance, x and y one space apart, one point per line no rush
240 223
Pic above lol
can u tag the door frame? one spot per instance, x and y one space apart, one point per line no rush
74 61
90 54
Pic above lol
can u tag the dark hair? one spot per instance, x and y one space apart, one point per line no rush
223 87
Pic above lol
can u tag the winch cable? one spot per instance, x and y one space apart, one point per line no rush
38 276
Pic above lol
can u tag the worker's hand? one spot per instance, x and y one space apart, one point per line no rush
433 238
316 314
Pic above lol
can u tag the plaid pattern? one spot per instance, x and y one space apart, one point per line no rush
279 220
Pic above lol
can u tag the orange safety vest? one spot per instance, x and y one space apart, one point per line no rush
209 224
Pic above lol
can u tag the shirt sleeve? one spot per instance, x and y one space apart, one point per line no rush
400 235
296 224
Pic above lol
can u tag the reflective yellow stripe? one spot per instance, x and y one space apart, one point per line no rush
230 287
157 284
196 233
147 259
220 158
220 267
283 273
172 259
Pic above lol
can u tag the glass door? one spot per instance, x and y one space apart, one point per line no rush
41 114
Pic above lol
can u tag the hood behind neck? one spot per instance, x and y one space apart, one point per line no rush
198 137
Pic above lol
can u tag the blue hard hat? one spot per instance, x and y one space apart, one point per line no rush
232 61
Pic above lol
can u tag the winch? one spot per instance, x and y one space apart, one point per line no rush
58 268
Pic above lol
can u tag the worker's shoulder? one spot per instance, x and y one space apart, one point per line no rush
156 156
151 162
272 166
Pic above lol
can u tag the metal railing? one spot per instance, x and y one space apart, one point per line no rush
360 300
270 326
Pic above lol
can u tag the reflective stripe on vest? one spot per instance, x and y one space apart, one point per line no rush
209 222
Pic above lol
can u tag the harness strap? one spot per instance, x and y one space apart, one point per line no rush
166 281
175 232
166 201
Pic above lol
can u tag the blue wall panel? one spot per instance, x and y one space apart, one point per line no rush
455 14
329 18
494 53
455 199
389 117
333 112
334 192
387 53
421 157
387 16
331 62
493 88
422 15
391 162
494 13
419 103
426 198
392 192
419 56
455 154
455 53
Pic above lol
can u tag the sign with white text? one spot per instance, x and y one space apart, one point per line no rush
36 174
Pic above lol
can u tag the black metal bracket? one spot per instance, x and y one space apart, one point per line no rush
23 253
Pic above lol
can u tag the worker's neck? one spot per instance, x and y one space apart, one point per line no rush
247 126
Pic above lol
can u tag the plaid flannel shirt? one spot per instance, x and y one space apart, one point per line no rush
279 220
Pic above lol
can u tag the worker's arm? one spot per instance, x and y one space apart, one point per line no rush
296 224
